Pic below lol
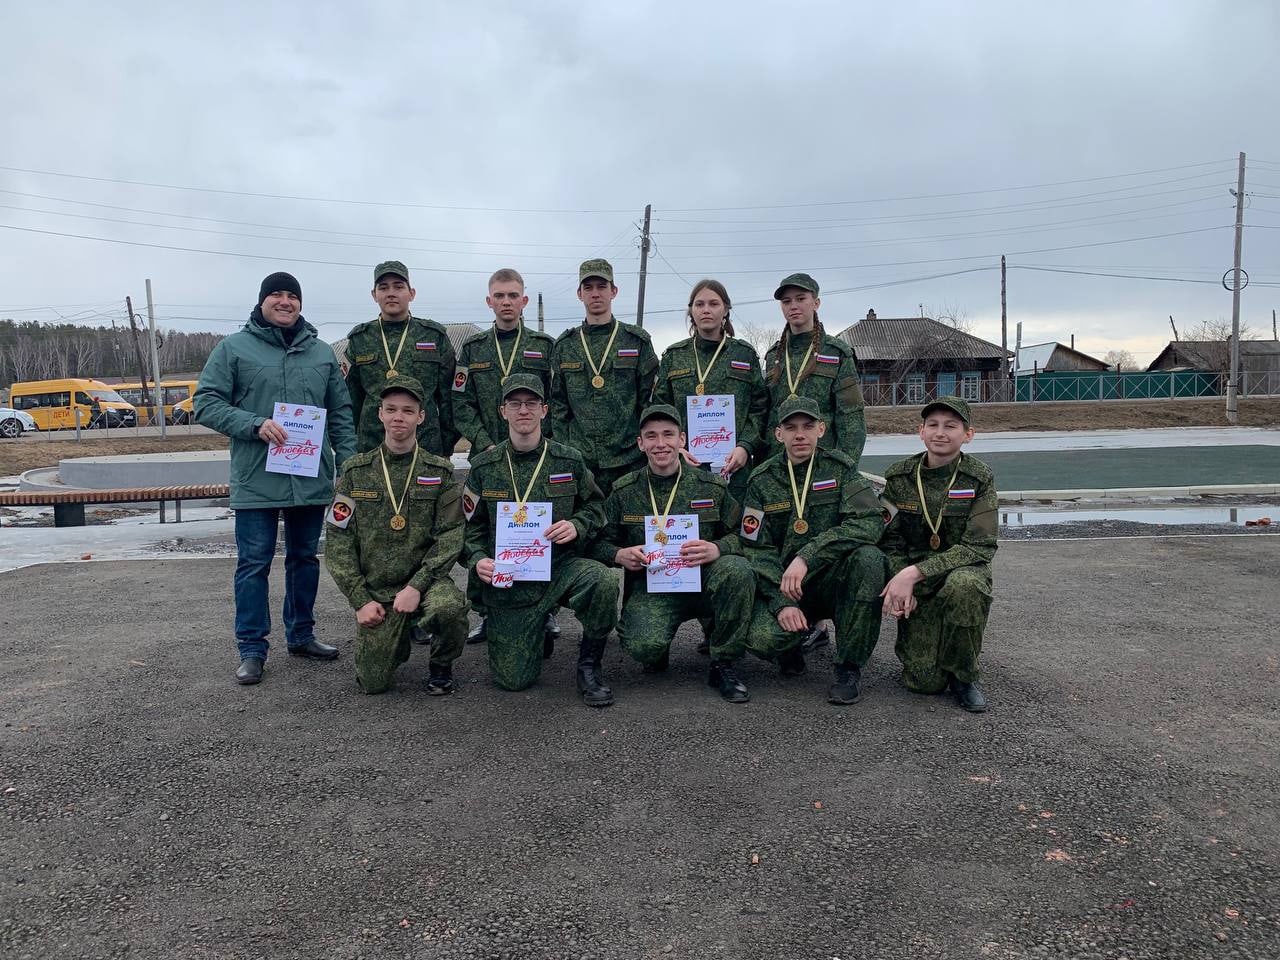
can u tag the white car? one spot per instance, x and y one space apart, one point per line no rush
13 423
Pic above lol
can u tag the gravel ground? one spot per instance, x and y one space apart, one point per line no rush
1119 800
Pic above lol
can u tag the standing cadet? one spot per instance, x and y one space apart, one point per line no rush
527 468
400 343
713 362
486 360
940 544
660 490
810 522
395 529
604 372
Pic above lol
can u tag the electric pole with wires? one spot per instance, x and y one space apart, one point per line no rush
644 265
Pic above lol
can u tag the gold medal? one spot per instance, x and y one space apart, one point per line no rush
801 525
798 499
386 347
390 374
935 541
699 389
934 523
398 522
702 374
660 537
597 381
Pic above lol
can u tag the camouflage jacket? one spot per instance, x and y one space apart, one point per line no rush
564 481
603 423
841 509
369 560
477 382
831 379
627 505
427 356
969 508
737 371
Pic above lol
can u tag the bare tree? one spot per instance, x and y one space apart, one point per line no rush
754 332
952 314
1119 360
1212 341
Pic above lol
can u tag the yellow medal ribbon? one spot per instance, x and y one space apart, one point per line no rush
386 347
522 512
935 541
801 525
703 374
397 519
506 365
792 383
597 380
661 535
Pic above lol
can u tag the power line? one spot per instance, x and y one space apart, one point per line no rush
1122 276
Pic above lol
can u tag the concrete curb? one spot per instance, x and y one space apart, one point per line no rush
1143 493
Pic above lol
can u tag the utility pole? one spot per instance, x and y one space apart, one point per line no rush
137 352
1175 329
1273 326
1233 378
541 322
155 361
644 265
1004 315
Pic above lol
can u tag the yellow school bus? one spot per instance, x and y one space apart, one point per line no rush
53 404
172 392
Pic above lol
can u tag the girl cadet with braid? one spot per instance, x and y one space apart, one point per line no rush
711 364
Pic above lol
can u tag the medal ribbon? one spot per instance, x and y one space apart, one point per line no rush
786 355
607 347
798 499
532 479
934 525
506 365
703 374
386 348
666 510
408 477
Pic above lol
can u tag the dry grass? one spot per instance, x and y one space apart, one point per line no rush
19 455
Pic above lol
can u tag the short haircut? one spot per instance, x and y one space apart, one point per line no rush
506 275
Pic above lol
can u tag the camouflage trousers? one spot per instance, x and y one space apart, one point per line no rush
650 620
380 649
944 635
588 588
848 592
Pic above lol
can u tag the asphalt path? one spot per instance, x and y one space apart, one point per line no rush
1119 800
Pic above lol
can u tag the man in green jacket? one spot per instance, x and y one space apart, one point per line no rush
394 532
276 359
810 522
397 342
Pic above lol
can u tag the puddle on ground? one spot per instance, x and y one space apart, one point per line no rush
1236 515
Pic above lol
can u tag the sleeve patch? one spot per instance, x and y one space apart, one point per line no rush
751 519
341 511
469 500
460 379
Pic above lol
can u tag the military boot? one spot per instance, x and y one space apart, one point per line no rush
723 677
479 633
847 687
590 679
969 696
440 680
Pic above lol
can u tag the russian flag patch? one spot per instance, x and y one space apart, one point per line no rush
532 355
429 481
701 504
824 358
425 345
628 353
824 485
960 494
739 364
561 477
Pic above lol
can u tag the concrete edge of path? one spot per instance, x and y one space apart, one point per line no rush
1144 493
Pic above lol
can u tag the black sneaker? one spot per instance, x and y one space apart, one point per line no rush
722 677
969 696
847 688
791 663
479 633
440 681
818 637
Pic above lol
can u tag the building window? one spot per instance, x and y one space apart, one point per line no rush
915 388
970 384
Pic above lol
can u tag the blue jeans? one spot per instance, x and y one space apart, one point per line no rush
255 548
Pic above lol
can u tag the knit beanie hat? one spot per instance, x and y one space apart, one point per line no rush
277 282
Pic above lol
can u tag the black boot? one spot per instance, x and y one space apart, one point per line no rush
249 671
847 687
969 696
723 677
479 633
818 637
791 663
440 680
590 680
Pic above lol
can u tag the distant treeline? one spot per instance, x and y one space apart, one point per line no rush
43 351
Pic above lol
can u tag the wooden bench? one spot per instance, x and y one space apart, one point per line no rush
68 505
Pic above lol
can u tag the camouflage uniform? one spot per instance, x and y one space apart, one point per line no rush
649 620
846 570
737 371
603 423
830 378
516 614
944 634
370 561
427 357
477 391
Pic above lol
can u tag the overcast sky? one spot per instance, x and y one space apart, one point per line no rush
872 145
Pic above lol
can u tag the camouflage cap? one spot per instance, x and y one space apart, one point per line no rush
796 406
957 406
404 384
393 267
523 381
660 411
595 268
801 280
